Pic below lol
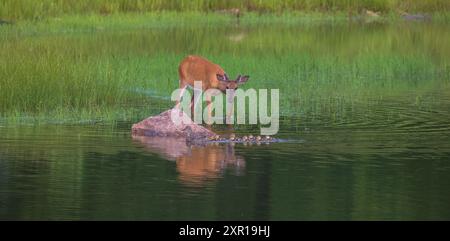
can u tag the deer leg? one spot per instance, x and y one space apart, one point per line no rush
194 100
230 113
177 105
192 107
209 105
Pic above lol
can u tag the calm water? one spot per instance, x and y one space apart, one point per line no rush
391 164
370 152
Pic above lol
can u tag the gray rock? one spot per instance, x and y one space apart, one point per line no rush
163 126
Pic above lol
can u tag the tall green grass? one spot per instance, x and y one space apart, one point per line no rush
92 71
31 9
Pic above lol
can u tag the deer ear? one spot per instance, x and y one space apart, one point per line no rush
242 79
221 77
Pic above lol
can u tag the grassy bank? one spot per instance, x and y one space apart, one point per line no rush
123 67
31 9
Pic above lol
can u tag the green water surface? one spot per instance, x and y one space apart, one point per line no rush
366 105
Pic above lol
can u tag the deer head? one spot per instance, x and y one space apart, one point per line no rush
227 85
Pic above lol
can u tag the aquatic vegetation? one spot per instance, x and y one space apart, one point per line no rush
30 9
89 69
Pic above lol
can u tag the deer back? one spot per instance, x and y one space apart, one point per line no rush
195 68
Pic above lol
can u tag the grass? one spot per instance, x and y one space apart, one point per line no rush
31 9
90 69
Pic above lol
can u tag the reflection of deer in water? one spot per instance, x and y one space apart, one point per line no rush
207 162
195 164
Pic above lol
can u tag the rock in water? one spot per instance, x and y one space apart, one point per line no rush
163 126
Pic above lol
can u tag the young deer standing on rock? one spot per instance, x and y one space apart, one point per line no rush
195 68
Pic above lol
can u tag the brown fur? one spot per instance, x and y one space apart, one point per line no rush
196 68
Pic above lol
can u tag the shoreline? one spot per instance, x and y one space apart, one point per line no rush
90 69
30 9
171 19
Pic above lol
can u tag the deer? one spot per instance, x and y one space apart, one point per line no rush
212 76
